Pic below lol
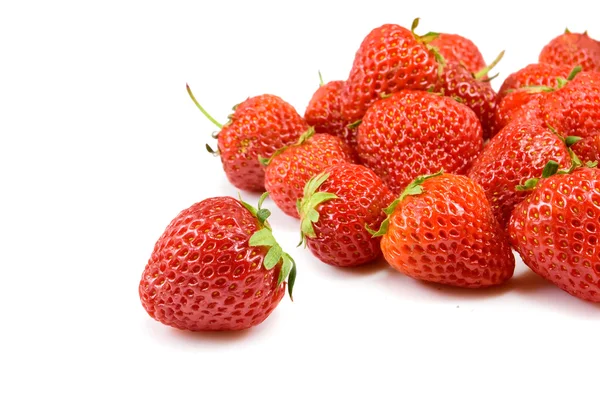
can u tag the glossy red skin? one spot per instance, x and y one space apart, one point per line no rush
287 174
519 152
341 237
458 49
413 133
389 59
537 74
588 149
555 230
508 106
580 108
457 82
572 49
448 235
203 275
259 126
324 113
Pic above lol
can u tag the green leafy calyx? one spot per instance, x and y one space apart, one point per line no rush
485 70
308 204
412 189
275 254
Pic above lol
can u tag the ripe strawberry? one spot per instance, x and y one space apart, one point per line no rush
442 229
460 50
458 82
519 151
555 230
588 149
412 133
324 113
390 58
258 127
290 168
216 267
572 49
337 205
536 75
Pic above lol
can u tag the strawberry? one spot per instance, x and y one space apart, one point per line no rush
460 50
324 112
588 149
519 151
290 168
390 58
572 49
258 127
442 229
216 267
458 82
534 75
337 205
555 230
413 133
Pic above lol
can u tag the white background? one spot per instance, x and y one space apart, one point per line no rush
101 147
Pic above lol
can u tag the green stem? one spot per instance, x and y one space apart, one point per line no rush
215 122
485 70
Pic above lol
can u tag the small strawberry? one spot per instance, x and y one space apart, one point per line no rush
519 151
324 112
534 75
458 82
337 205
258 127
460 50
290 168
555 230
216 267
413 133
588 149
572 49
390 58
442 229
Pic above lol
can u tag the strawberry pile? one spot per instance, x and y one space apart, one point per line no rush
414 157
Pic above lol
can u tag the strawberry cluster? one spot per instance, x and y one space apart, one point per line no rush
414 157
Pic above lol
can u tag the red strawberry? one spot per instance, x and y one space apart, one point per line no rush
555 230
390 58
337 206
442 229
458 82
536 75
460 50
588 149
413 133
572 49
258 127
324 112
519 151
216 267
289 169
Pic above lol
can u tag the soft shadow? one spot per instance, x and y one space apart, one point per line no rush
367 269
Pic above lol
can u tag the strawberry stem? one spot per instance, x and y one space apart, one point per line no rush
321 83
215 122
485 70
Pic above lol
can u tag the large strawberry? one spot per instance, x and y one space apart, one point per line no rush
389 59
442 229
338 205
460 50
571 49
258 127
413 133
290 168
519 151
216 267
555 230
324 112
